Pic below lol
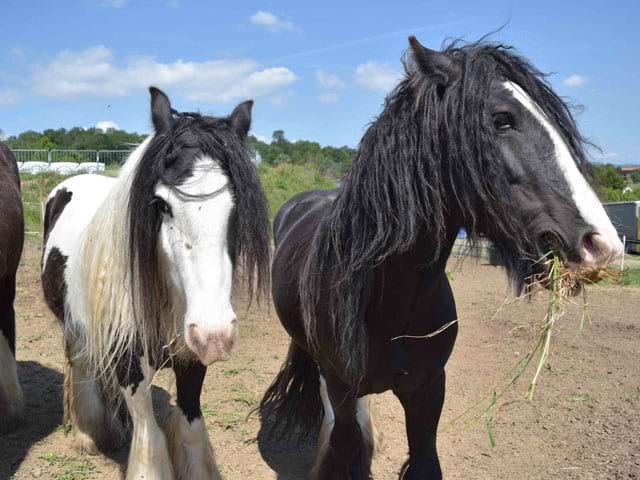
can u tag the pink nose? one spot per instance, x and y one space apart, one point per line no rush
211 345
597 252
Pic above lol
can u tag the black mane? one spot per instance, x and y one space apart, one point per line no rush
169 158
427 156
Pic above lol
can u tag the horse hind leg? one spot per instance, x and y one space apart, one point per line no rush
11 397
93 426
365 417
189 447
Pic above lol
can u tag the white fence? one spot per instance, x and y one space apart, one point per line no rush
67 162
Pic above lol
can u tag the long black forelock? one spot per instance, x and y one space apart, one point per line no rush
429 153
164 161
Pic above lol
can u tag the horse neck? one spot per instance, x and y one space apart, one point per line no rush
423 254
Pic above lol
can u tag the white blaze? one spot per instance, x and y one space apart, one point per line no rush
583 195
197 253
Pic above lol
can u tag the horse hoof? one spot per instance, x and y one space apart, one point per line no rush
84 443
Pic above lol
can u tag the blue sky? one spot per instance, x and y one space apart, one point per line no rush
317 70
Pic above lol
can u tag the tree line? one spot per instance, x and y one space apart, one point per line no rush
612 186
330 162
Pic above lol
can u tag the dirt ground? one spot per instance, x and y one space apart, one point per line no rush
584 421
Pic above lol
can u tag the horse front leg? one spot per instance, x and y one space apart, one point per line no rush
346 442
422 408
11 397
148 456
189 446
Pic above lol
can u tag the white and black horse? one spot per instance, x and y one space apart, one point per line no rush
139 270
472 137
11 242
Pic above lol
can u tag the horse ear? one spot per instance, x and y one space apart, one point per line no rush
436 65
160 110
241 118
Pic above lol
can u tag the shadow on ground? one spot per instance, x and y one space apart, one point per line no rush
42 388
291 459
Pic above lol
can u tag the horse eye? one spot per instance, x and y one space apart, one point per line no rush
503 121
163 206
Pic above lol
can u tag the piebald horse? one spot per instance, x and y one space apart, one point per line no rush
139 271
472 136
11 242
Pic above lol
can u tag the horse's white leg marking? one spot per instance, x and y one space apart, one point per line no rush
148 457
11 398
364 416
189 447
327 421
93 426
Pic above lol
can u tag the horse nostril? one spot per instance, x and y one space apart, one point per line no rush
234 321
595 249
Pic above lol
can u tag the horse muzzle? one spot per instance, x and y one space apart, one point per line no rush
211 344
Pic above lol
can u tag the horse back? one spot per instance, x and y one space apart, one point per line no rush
11 216
70 207
297 208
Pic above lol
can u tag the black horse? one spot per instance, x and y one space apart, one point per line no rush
11 242
472 137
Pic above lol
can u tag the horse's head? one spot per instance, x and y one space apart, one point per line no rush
203 206
516 148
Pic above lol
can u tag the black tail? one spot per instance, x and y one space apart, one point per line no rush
292 403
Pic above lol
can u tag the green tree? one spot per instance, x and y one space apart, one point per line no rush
608 177
635 176
278 136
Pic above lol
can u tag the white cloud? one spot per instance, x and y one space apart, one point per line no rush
262 138
328 97
93 73
376 76
17 54
9 96
329 80
107 125
271 22
606 156
111 3
575 81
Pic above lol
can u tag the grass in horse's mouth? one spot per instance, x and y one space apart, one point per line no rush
563 282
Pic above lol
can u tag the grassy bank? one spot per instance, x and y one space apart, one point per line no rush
630 277
280 183
285 180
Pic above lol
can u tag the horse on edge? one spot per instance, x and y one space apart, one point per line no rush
139 271
11 243
472 137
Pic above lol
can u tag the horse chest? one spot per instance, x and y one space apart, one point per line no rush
400 349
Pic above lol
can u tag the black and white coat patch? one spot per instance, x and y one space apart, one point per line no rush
139 271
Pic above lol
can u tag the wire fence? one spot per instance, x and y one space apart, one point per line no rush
69 162
41 170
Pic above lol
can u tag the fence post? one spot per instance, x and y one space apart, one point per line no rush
624 251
